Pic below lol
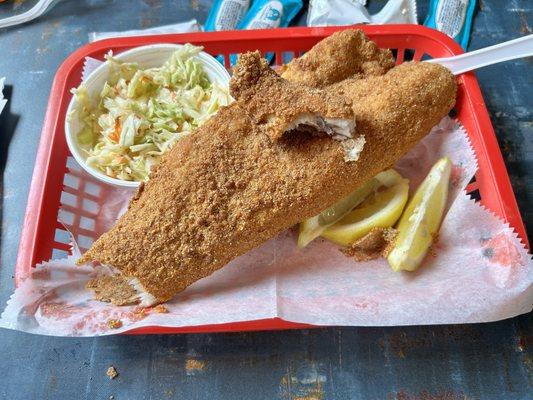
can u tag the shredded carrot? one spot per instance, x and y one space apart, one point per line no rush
115 136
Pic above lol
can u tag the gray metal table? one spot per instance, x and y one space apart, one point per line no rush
483 361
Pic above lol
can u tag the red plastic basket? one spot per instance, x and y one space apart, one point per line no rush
39 237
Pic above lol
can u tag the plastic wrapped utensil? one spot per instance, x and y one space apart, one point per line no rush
226 14
453 17
350 12
18 12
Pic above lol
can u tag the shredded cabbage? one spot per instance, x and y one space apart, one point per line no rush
140 114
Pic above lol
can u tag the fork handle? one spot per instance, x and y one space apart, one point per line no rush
516 48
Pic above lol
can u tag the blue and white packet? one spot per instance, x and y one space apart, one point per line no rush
266 14
225 15
453 17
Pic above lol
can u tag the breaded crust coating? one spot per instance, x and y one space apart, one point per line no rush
342 55
229 187
277 106
397 102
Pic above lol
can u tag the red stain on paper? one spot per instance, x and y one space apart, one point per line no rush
501 250
59 310
97 321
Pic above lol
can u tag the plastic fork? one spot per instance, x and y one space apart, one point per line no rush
516 48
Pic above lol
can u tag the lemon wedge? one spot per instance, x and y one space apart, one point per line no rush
421 220
311 228
381 210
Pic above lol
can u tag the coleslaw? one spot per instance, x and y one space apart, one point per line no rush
141 113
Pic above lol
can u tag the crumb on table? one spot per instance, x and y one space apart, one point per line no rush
112 373
194 365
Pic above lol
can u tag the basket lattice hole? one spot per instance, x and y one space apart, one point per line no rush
66 217
472 189
68 199
92 189
395 54
61 239
71 181
271 57
453 113
89 205
425 57
84 242
87 223
223 59
72 164
475 195
286 57
408 55
232 60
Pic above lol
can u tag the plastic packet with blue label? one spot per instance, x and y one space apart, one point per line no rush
266 14
351 12
452 17
225 15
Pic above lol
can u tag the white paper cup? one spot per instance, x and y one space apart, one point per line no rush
147 57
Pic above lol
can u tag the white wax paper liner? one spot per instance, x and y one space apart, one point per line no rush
89 65
481 272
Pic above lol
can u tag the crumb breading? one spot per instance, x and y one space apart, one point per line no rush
115 289
278 106
344 54
376 243
229 187
114 323
389 108
112 372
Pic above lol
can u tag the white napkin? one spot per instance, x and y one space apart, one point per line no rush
181 27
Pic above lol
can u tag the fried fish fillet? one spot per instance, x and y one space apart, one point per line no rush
385 106
278 106
347 53
230 187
